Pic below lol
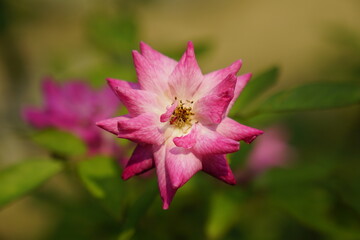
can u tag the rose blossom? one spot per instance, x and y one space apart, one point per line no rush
75 107
178 118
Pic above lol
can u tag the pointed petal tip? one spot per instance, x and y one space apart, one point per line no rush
190 49
252 138
218 167
136 55
246 77
101 124
231 181
165 203
116 84
124 176
98 123
143 46
237 64
112 82
135 52
110 124
142 43
165 206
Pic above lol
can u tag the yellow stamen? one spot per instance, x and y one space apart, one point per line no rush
183 114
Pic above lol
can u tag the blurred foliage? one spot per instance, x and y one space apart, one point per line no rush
77 216
114 36
314 96
60 142
22 178
101 177
137 210
256 87
224 212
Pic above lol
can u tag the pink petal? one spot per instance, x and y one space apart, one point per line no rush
169 111
212 108
77 89
181 165
54 98
234 130
78 99
35 117
115 83
240 85
141 161
214 78
210 142
167 192
51 92
161 61
217 166
111 124
186 77
136 101
151 77
141 129
188 140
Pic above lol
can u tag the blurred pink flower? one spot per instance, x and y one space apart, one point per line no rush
270 150
75 107
178 117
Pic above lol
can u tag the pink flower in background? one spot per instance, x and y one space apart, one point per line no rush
270 150
178 117
75 107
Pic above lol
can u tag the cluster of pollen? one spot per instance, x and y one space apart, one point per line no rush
182 115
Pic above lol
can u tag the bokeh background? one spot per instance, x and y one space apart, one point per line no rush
316 196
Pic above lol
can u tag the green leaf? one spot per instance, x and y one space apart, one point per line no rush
22 178
60 142
322 95
257 86
224 211
101 176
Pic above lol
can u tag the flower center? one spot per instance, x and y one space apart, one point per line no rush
182 114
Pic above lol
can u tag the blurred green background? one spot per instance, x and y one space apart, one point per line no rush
289 43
